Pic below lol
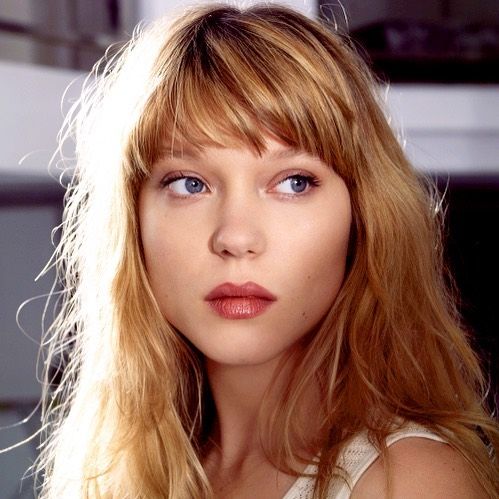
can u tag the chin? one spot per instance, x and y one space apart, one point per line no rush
243 355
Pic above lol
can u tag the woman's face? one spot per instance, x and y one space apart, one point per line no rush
227 216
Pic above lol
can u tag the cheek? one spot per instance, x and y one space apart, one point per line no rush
324 255
170 262
160 253
325 235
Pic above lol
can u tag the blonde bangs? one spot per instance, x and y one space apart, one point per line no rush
234 82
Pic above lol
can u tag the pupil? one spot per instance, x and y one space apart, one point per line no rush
298 184
193 185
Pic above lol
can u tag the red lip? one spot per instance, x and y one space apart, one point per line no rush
249 289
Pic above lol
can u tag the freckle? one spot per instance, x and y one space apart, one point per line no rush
308 277
303 314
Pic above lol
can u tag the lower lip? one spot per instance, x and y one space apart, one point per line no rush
244 307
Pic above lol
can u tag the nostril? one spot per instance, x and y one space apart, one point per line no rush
227 252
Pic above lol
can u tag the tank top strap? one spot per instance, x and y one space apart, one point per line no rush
360 453
354 460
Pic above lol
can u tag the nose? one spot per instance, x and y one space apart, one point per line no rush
239 232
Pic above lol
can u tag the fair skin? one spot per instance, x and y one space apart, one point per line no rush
258 219
420 468
228 215
245 224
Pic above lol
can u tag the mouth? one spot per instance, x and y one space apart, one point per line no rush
231 301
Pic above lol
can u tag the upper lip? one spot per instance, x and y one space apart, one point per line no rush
228 289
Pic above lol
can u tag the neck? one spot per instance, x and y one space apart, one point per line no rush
238 393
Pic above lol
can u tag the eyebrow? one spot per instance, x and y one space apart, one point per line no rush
179 153
291 152
284 153
192 152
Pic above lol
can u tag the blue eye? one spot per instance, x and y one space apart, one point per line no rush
184 185
296 184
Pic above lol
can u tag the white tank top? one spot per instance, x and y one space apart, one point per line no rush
355 458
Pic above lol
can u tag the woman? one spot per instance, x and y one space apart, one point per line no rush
255 303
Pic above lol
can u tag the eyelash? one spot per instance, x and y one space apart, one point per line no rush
312 180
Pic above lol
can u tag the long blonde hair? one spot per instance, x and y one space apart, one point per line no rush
132 411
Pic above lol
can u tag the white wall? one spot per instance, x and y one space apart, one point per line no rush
32 114
448 128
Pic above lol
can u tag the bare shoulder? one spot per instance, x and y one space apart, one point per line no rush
420 468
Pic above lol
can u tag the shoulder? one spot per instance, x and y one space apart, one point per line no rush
420 467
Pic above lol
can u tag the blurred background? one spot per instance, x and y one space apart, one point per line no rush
438 59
